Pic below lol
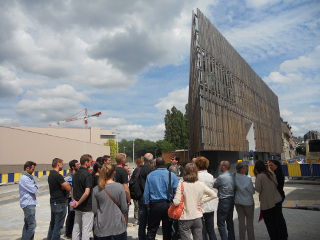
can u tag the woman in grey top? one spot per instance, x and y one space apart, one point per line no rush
109 222
244 201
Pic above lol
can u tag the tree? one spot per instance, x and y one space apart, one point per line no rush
163 146
113 148
176 124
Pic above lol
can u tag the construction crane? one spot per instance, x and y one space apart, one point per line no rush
85 117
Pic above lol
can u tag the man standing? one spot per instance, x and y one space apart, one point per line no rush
121 175
158 196
82 185
142 171
225 186
106 159
175 163
74 166
58 199
28 189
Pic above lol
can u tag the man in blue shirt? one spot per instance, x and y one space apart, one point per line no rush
28 189
157 196
225 186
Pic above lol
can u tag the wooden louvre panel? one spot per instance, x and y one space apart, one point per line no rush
224 94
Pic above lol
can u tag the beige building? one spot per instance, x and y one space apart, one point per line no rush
41 145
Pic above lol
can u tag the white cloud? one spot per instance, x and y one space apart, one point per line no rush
9 84
260 3
178 98
309 62
46 105
9 122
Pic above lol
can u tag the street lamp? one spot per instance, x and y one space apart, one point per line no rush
124 150
133 151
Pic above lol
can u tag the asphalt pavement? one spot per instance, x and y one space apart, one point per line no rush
301 211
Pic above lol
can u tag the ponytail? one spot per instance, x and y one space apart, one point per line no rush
106 173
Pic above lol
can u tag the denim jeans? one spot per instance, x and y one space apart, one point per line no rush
208 226
122 236
143 219
225 215
58 214
29 222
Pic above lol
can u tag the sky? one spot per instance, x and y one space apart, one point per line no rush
129 59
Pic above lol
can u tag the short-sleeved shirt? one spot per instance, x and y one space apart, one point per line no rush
121 175
82 180
57 194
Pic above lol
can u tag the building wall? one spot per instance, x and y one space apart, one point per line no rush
91 134
18 145
225 95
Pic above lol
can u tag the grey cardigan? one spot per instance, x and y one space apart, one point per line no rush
108 218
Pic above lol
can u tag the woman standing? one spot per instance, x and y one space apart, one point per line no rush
109 204
95 174
244 201
276 168
195 193
202 164
270 200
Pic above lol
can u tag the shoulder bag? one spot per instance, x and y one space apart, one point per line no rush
175 212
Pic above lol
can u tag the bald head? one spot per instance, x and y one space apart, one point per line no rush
224 166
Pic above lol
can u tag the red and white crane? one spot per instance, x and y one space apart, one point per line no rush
85 117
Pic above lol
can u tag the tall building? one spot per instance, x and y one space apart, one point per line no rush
233 114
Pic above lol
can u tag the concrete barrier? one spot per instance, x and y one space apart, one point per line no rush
14 177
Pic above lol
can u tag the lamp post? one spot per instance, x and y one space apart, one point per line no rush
133 151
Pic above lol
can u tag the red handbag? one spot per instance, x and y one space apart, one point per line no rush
175 212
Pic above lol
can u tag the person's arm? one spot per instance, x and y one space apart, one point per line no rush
66 186
217 183
127 191
175 183
177 196
94 202
123 201
83 197
146 197
258 185
250 187
209 195
29 185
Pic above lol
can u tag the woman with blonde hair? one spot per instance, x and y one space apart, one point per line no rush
109 204
202 164
195 194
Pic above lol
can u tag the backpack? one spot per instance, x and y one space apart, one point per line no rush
134 185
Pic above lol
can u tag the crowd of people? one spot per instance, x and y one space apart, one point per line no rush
94 199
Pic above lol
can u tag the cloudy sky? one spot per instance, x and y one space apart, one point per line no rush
130 59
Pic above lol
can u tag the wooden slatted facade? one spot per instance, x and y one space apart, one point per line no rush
225 94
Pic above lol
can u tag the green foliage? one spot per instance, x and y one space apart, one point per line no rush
176 124
113 148
301 150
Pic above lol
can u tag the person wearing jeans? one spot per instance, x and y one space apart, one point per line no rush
58 199
225 186
58 214
28 189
